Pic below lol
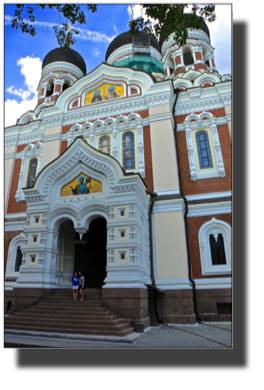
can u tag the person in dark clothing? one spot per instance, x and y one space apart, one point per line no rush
81 285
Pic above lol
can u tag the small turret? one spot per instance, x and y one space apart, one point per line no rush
60 69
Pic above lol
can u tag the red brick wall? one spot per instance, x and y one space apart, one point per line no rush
194 225
148 159
179 70
198 55
63 146
8 238
13 206
57 88
178 60
215 184
200 66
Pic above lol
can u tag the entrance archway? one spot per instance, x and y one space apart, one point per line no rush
90 254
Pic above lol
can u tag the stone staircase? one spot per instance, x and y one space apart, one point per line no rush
60 314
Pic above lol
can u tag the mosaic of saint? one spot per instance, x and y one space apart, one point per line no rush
105 92
82 185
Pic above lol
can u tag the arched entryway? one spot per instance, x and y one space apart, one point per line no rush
90 253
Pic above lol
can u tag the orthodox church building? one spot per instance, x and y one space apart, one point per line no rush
124 174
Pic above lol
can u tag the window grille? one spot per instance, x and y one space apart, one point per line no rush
217 250
128 151
104 145
32 172
203 147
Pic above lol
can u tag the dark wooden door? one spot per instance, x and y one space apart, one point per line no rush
90 256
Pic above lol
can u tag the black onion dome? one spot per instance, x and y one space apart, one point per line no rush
204 28
126 38
68 55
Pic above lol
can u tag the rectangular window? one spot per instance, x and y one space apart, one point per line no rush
204 153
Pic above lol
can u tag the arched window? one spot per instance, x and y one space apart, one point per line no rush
65 86
32 170
188 57
128 151
50 90
203 147
217 249
18 259
104 144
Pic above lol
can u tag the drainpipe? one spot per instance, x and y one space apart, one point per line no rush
156 290
197 314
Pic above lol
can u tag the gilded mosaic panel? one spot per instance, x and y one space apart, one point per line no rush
104 92
82 185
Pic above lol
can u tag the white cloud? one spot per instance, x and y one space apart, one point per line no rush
95 52
30 68
84 34
115 29
94 36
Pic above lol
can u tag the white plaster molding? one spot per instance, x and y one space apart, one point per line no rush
214 227
21 139
174 284
213 283
204 103
17 226
199 210
17 215
29 152
19 240
62 66
168 206
211 195
202 121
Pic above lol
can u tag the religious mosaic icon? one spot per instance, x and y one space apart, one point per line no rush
82 185
104 92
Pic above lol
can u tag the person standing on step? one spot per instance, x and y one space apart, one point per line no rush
81 285
75 285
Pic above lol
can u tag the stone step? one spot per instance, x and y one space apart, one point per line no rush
63 310
61 322
58 313
88 331
65 316
70 304
71 309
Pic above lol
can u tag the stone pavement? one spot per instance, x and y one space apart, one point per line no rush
205 335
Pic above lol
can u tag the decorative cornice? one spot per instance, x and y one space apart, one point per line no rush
84 114
62 66
24 139
213 283
198 210
202 104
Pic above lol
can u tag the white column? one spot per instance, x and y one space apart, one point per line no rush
141 164
217 147
58 82
115 142
21 176
188 134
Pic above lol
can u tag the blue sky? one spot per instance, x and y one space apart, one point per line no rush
24 54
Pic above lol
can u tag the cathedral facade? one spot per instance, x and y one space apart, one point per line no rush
124 174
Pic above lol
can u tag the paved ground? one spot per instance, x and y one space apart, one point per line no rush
206 335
